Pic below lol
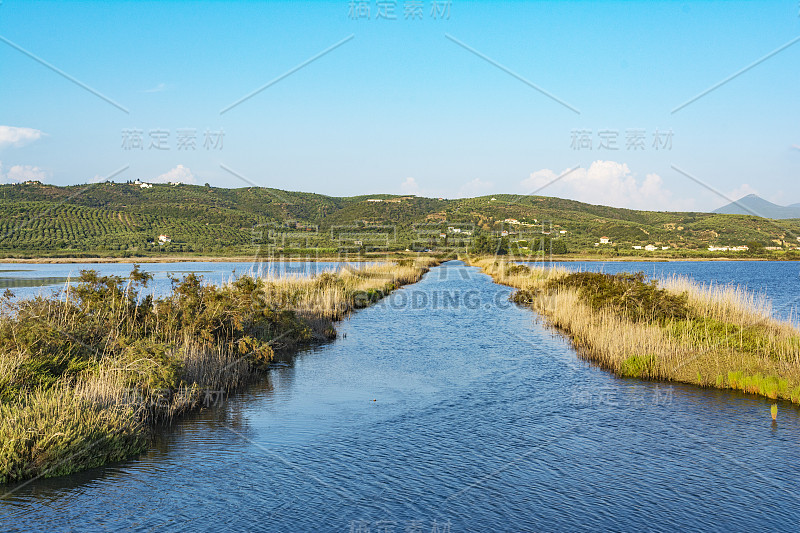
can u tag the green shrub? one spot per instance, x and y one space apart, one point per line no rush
515 270
626 294
639 366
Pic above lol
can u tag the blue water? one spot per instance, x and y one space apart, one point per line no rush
778 280
444 406
27 280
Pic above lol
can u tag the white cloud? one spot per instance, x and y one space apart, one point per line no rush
606 183
26 172
541 179
19 173
739 192
796 147
476 187
13 136
409 186
179 174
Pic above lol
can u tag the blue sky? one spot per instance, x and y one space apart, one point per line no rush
402 108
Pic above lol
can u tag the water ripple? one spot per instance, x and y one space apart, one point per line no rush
483 420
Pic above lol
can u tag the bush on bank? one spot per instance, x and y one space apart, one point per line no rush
84 377
673 329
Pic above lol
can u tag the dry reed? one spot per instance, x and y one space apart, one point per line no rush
728 338
83 378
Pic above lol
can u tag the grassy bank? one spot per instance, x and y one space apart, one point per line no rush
84 379
675 329
656 258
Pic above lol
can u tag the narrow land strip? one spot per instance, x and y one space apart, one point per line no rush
674 329
84 379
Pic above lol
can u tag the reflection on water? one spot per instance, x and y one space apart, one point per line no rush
473 416
43 279
8 282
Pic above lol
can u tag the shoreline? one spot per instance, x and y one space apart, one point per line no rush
199 259
366 259
675 331
156 366
635 259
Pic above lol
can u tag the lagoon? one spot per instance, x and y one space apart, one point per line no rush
445 405
28 280
779 281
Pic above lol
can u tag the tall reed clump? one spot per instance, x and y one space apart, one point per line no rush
84 377
672 329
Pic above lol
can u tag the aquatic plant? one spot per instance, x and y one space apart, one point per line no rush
95 370
673 329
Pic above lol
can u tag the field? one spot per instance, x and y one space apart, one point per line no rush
125 220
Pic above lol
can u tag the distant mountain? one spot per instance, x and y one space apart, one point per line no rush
753 204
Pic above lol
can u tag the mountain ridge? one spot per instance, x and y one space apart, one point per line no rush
752 204
126 218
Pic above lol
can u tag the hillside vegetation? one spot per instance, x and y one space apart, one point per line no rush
124 219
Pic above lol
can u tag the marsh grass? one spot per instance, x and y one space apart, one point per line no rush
84 377
673 329
53 431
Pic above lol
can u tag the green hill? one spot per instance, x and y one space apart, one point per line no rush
126 219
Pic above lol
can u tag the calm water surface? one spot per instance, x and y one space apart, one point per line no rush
445 406
778 280
27 280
